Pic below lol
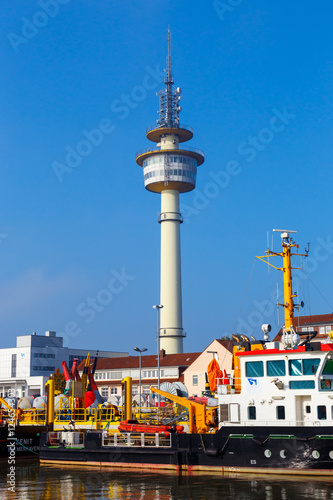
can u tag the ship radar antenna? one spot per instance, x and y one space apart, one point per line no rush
169 97
289 336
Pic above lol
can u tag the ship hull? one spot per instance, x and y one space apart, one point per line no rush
20 441
231 450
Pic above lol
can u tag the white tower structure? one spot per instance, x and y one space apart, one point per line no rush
169 169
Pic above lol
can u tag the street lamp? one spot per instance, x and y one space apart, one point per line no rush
140 351
158 307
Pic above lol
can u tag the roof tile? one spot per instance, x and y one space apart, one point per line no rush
182 359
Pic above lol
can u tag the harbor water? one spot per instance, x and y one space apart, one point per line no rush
35 482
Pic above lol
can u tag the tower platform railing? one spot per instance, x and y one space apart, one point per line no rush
156 127
174 151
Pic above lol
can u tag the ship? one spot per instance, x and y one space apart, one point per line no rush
272 415
22 422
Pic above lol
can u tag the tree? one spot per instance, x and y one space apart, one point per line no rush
226 337
59 381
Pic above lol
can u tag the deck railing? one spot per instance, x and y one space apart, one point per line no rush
131 439
65 439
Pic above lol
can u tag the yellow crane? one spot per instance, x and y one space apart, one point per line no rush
201 418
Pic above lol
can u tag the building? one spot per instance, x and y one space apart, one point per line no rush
25 369
321 323
195 374
169 170
111 371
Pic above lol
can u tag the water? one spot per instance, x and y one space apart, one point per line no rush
35 482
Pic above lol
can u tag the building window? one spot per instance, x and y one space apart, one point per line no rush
13 365
194 379
254 368
280 413
43 355
44 368
114 390
105 392
23 391
251 412
79 358
321 330
328 329
321 410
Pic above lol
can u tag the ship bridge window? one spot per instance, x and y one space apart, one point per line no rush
328 368
301 384
276 368
326 385
254 368
303 366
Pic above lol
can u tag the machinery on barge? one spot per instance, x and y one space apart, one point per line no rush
274 416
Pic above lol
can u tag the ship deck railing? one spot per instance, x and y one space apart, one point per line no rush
32 416
69 440
278 424
136 439
94 418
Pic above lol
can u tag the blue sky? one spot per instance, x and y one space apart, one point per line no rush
78 91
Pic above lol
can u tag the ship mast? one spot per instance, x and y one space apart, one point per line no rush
289 336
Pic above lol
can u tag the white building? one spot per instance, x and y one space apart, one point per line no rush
195 374
25 369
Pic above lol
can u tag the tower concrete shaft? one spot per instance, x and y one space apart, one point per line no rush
170 169
171 322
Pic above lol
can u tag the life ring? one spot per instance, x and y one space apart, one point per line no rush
52 438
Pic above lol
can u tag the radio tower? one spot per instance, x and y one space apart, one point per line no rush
169 170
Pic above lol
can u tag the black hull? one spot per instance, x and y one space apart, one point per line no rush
255 450
20 442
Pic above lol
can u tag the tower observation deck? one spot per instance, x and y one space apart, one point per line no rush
170 169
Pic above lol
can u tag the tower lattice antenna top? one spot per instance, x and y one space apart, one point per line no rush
169 78
169 97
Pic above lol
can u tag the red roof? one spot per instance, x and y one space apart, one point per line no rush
150 361
227 344
315 320
144 381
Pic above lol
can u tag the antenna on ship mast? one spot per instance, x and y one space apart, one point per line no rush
289 336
